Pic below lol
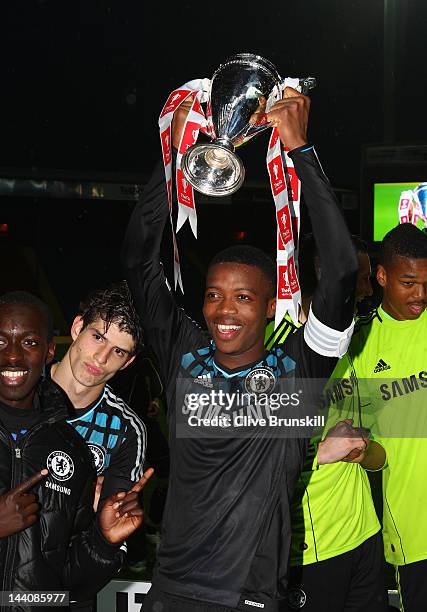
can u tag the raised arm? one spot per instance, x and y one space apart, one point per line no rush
333 301
165 325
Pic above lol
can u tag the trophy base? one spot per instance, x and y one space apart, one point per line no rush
213 169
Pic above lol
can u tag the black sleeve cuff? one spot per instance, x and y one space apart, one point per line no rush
103 547
306 148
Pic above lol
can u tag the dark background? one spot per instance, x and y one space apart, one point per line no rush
83 84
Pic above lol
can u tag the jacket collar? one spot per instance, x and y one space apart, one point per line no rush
53 401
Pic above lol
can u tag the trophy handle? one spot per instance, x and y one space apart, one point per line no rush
260 123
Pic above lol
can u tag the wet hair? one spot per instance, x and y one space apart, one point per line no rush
29 299
114 304
404 240
250 256
309 261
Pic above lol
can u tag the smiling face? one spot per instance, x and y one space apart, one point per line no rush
96 353
238 301
24 350
404 282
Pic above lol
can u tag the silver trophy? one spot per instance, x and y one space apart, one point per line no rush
242 91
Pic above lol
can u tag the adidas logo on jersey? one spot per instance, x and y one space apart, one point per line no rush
381 366
205 380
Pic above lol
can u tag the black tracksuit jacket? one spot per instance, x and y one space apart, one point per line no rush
226 526
64 549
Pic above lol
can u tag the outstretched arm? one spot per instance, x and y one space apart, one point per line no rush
333 301
167 329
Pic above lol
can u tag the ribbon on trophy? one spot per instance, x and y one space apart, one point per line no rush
195 122
284 182
286 190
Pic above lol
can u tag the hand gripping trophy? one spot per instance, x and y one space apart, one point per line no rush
230 109
242 91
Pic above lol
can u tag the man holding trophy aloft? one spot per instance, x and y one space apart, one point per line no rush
226 527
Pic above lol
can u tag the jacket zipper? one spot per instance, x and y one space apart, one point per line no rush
16 463
11 540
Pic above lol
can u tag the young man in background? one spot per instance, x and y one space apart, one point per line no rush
106 337
49 537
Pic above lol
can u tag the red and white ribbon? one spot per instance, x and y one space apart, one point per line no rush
185 193
195 121
288 291
286 190
285 187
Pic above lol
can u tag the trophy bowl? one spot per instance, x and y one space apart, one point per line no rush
242 90
213 169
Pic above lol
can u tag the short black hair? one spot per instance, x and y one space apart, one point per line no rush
114 304
250 256
404 240
29 299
